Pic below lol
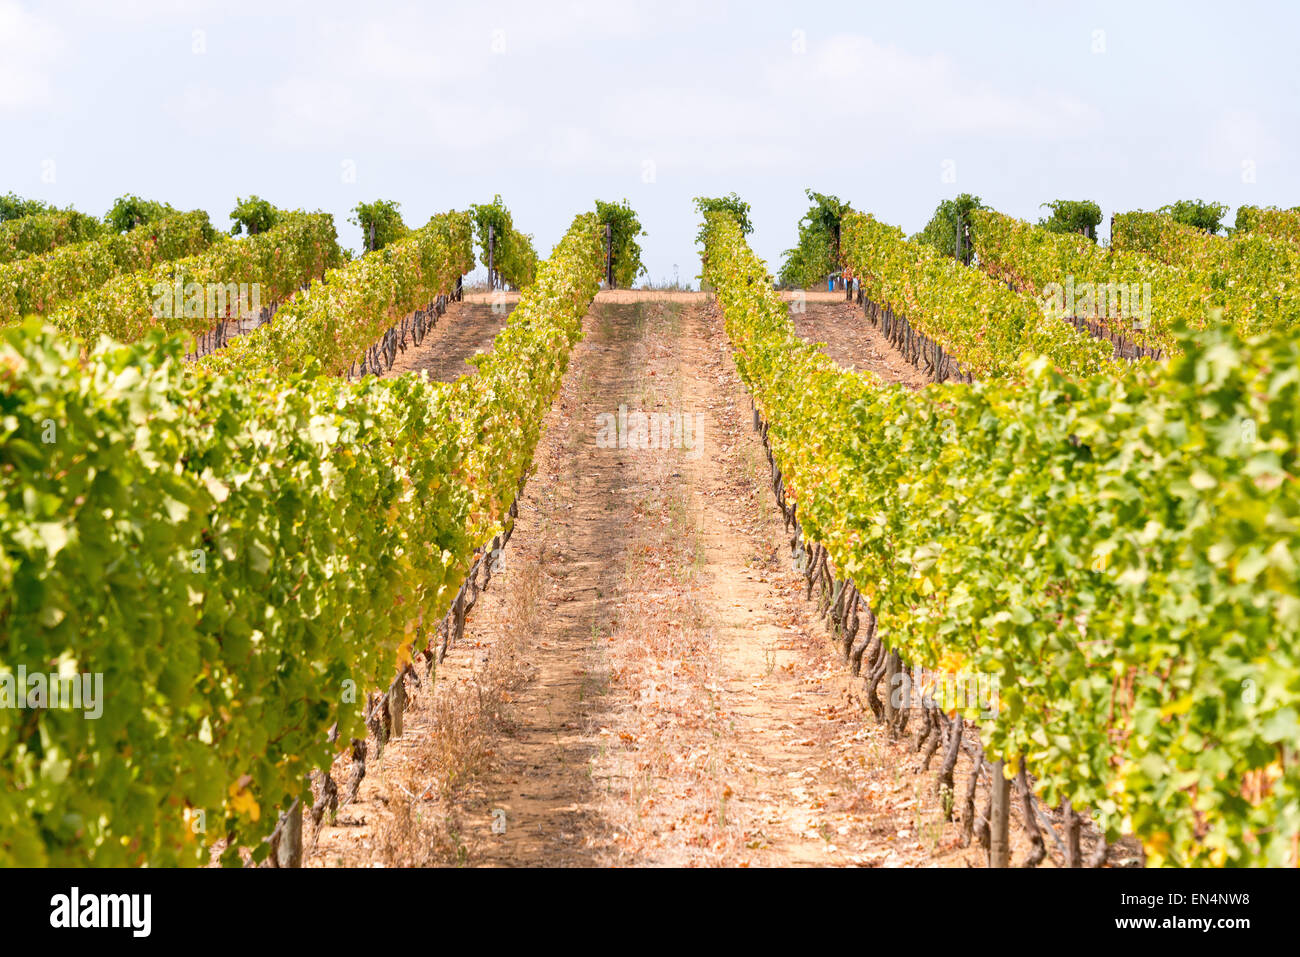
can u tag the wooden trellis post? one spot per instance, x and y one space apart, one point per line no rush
891 673
287 841
838 263
999 817
609 256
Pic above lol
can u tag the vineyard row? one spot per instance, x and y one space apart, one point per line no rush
1117 549
244 548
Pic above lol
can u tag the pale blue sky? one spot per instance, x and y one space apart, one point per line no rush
551 105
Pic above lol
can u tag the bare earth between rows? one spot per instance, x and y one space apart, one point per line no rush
644 682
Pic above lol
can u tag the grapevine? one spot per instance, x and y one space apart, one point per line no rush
1152 537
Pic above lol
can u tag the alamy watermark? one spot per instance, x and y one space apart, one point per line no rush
649 430
213 300
948 691
56 690
128 911
1096 300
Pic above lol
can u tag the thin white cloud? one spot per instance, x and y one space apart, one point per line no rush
924 95
790 113
29 49
1238 137
413 78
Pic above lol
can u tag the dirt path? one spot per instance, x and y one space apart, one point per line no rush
645 683
734 735
465 329
852 341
